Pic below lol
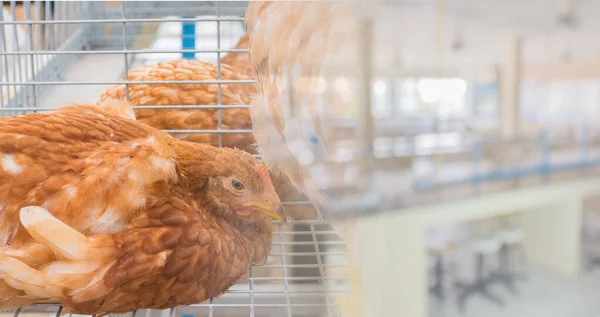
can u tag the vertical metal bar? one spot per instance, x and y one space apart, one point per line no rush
18 70
60 308
251 275
125 55
17 312
47 17
219 97
69 11
86 13
4 65
210 308
27 7
321 271
38 32
55 27
63 31
285 276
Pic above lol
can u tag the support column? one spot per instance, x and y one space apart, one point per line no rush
387 257
552 236
510 89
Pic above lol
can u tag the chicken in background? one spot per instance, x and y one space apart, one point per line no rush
130 217
240 61
179 94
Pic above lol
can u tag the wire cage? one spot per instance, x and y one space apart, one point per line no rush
55 53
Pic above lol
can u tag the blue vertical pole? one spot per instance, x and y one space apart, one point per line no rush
188 39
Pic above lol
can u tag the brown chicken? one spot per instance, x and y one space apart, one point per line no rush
132 218
241 61
191 95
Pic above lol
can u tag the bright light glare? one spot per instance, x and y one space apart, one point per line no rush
379 87
447 89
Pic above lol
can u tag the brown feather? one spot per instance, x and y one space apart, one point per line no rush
135 218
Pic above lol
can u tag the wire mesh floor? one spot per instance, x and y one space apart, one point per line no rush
296 281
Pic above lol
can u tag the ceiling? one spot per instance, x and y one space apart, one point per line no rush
474 33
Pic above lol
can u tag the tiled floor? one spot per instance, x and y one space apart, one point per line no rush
542 294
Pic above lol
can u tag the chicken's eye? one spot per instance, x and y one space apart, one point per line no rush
237 185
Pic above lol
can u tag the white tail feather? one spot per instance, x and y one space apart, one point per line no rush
20 271
60 238
80 273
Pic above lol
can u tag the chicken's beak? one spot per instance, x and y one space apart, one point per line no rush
274 209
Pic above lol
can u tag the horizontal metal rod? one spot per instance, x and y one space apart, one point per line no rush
302 232
307 253
298 266
106 21
181 107
196 10
263 305
203 36
107 52
297 202
131 82
184 107
261 292
207 131
295 278
207 304
312 243
303 222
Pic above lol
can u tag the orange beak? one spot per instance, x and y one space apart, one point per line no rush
269 203
273 208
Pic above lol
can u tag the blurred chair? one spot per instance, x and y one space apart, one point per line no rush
511 253
442 244
484 245
590 232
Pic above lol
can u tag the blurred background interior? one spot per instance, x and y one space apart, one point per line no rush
486 112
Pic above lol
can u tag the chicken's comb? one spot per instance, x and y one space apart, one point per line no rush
263 173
